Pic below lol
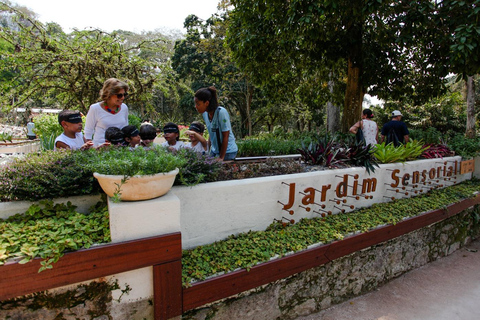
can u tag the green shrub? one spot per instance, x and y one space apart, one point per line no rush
252 147
197 168
46 175
463 146
126 162
431 135
48 231
134 120
47 129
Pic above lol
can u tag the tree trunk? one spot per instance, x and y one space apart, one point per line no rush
470 131
249 107
333 113
354 93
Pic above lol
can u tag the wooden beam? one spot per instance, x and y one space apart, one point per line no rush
238 281
87 264
167 286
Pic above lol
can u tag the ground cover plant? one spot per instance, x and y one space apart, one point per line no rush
50 230
248 249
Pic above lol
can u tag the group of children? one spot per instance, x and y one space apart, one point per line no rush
129 136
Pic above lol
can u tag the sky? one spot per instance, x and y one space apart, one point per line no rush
136 15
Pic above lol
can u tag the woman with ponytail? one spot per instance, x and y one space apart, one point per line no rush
221 141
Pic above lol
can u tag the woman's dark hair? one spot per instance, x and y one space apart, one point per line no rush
368 113
208 94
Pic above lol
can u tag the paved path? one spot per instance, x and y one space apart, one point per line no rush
447 289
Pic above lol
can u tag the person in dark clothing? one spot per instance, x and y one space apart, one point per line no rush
395 131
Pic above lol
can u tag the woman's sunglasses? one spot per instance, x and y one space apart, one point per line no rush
121 95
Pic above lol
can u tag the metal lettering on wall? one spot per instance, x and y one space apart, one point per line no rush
350 189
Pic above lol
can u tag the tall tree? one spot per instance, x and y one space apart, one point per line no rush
202 59
270 38
461 34
68 70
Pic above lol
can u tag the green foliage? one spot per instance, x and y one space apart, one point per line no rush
463 146
323 151
248 249
46 175
412 150
360 154
78 64
251 147
126 162
197 168
49 230
388 153
5 136
47 129
429 135
133 120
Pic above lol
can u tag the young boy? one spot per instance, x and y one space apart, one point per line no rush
132 136
72 137
114 136
148 133
197 141
171 133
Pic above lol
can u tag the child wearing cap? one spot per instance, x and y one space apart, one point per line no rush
72 137
114 136
197 141
132 136
171 133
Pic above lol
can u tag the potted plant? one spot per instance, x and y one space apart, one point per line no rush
132 175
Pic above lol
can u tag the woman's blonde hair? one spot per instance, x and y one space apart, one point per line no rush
110 87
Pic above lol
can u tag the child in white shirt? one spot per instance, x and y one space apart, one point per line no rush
197 141
72 137
171 133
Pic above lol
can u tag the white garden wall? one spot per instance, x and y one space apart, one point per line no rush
213 211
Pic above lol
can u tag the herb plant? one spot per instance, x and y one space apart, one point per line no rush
125 162
49 230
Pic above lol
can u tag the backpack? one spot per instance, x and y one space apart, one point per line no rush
392 137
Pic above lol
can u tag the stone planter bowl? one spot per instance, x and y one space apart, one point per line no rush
136 188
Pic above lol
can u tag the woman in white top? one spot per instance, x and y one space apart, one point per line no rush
110 112
368 126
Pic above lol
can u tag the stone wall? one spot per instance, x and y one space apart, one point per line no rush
344 278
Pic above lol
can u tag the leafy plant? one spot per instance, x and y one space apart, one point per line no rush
388 153
5 136
323 151
47 129
360 154
267 147
125 162
48 230
463 146
413 150
437 151
197 168
45 175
